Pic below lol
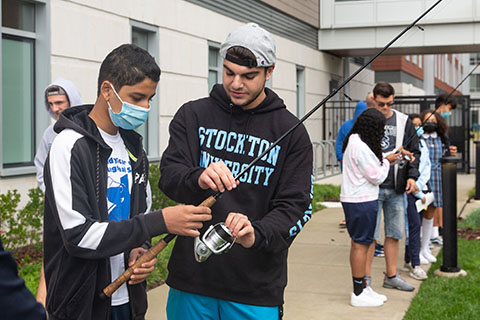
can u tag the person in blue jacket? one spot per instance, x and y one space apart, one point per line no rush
347 125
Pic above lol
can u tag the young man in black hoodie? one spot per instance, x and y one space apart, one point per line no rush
211 141
97 197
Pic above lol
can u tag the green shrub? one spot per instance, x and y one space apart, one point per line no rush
471 221
159 199
21 227
30 272
9 227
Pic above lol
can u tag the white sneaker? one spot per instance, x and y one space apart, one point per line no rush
438 241
429 256
423 260
418 273
364 300
374 294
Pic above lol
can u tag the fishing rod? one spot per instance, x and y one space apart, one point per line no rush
210 201
446 100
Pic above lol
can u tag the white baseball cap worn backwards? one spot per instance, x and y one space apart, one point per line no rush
254 38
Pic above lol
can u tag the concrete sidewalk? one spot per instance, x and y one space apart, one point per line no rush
319 276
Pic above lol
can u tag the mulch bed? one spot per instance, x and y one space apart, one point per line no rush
469 233
27 254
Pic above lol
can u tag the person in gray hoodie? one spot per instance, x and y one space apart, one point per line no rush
59 95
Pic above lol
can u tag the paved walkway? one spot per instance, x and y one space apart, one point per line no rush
319 278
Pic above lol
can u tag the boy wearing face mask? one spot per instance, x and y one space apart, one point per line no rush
98 196
445 104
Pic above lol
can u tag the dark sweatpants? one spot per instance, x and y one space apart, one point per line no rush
412 250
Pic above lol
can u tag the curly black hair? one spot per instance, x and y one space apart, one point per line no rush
370 126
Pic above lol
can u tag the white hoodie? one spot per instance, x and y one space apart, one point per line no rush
49 135
362 172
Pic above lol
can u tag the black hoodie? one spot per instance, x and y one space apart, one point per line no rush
78 236
275 194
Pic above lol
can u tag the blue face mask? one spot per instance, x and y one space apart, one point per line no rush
419 131
445 115
130 117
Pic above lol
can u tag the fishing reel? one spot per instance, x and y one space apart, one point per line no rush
217 239
403 162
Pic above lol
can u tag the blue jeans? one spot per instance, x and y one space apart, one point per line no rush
394 214
183 305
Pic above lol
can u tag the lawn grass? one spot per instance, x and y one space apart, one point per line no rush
324 192
451 298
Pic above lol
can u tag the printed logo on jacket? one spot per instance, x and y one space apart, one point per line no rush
118 189
242 144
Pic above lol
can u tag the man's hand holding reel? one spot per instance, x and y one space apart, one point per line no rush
221 237
402 157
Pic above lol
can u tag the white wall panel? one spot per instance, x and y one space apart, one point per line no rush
183 54
84 74
175 90
86 33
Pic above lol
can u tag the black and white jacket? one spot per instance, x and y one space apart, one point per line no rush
78 236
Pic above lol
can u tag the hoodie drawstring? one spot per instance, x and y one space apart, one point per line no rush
97 184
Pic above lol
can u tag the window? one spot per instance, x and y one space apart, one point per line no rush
475 83
17 99
359 60
146 37
215 65
300 91
415 59
407 58
474 58
25 73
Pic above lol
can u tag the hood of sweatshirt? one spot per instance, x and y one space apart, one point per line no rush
73 94
78 120
359 108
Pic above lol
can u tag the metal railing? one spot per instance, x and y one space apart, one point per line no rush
325 162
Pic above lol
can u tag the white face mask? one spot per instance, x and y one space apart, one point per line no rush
130 117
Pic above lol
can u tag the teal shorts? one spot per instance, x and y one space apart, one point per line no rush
183 305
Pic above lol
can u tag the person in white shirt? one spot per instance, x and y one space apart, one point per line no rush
364 169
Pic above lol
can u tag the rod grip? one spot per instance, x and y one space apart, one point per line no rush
149 255
209 202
